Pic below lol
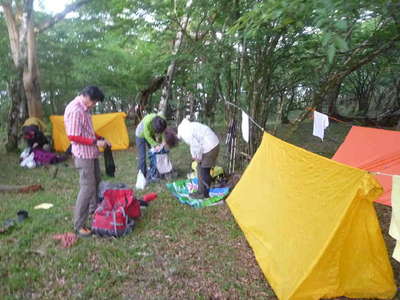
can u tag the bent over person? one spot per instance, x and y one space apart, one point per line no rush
148 135
85 143
204 148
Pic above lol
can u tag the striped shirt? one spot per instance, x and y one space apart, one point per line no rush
79 128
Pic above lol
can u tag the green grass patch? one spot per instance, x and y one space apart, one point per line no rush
174 250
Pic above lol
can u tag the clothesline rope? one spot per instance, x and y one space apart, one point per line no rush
250 118
333 118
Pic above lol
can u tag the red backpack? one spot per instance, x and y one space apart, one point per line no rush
115 214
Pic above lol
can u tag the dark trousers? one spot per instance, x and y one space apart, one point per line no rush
204 180
89 179
203 171
141 146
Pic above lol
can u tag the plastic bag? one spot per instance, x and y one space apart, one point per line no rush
29 161
140 181
164 165
25 153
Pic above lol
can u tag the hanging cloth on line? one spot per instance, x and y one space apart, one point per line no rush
245 127
321 122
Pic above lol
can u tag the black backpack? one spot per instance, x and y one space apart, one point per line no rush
109 161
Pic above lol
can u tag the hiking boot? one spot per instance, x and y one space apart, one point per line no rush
84 232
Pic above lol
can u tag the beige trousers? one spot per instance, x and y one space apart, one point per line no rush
89 179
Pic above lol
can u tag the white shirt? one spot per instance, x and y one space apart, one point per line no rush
199 137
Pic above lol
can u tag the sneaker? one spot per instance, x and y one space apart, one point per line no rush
84 232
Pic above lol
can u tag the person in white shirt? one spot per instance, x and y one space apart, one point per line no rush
204 148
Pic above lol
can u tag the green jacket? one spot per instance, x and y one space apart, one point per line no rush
145 129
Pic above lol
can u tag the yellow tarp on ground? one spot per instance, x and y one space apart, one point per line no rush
312 224
110 126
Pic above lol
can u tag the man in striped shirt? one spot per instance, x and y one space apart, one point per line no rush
85 143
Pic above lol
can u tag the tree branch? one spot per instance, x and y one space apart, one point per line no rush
60 16
12 31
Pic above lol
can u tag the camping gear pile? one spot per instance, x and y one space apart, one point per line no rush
37 152
217 173
182 189
160 168
119 208
32 158
160 164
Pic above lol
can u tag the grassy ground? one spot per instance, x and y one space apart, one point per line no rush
174 251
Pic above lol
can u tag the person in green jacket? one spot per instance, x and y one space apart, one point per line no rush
148 134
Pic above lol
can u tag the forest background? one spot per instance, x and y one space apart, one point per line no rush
274 59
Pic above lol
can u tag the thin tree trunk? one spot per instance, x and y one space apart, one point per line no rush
180 111
166 90
22 37
278 120
16 113
192 106
332 96
31 76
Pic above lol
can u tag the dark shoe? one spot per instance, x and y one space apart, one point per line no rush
84 232
22 215
143 204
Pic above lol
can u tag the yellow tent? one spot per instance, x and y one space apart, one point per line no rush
35 121
110 126
312 224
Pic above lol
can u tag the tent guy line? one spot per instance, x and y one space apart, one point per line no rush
251 119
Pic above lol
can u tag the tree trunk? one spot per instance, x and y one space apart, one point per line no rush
180 110
166 90
279 113
331 96
25 88
31 76
192 106
17 112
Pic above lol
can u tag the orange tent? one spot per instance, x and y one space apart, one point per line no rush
374 150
